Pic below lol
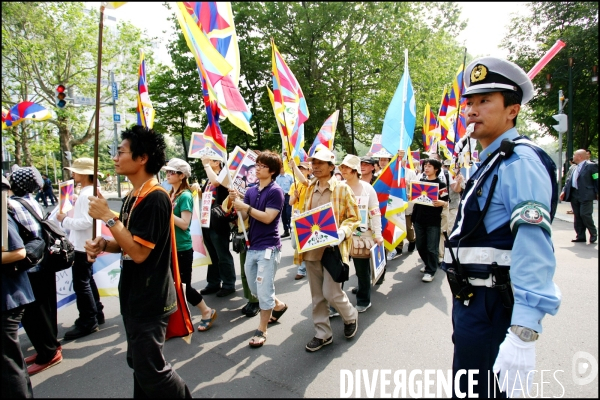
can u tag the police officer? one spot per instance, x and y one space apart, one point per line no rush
503 224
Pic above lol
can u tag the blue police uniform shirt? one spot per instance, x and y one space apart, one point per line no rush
16 288
285 181
523 177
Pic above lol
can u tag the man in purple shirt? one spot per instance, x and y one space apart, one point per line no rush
262 205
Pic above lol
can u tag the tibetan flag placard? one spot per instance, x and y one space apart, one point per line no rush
315 228
235 158
65 195
423 193
202 145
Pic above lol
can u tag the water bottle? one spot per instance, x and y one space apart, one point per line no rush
55 249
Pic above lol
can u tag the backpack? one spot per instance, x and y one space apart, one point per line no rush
55 258
34 250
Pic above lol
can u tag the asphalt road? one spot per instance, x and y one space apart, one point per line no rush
408 328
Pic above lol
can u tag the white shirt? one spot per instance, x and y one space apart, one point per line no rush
80 225
575 175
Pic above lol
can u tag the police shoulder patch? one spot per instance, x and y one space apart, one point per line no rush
532 213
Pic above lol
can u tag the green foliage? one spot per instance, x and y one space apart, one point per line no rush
49 43
576 24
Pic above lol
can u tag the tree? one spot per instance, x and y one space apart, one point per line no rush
45 44
576 24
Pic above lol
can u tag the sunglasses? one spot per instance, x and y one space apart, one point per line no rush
173 172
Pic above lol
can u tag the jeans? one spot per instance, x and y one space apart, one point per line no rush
152 374
185 259
286 213
15 379
302 269
261 276
39 319
247 293
428 241
87 296
363 273
222 269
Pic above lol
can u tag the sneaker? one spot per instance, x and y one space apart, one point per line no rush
316 343
422 269
285 234
391 255
351 329
333 312
411 246
37 368
252 310
78 332
100 318
427 278
363 308
298 277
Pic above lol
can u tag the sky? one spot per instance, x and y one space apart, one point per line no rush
487 24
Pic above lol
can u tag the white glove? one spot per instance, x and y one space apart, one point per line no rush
515 363
341 237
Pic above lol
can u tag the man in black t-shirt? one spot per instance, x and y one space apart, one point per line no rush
427 220
142 234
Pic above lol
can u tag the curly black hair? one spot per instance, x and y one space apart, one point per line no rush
146 141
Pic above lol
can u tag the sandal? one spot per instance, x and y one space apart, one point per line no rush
258 339
205 324
275 315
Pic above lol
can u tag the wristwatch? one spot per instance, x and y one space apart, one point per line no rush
525 334
111 222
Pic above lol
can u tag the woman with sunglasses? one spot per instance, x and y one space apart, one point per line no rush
178 173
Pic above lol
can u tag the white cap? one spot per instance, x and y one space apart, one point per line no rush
323 155
492 74
178 165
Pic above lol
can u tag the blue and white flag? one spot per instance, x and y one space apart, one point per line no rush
401 116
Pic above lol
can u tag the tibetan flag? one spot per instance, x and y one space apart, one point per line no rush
401 116
145 111
442 115
416 156
235 158
212 67
429 124
326 135
424 193
290 106
22 111
315 228
215 20
113 5
390 187
65 195
456 91
201 256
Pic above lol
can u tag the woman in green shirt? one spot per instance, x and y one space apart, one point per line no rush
178 172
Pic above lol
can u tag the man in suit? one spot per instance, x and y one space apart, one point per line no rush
581 189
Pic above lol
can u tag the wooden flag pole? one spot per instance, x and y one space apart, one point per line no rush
97 133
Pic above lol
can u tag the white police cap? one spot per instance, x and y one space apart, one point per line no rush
491 74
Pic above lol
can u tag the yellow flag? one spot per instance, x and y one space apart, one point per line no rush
113 5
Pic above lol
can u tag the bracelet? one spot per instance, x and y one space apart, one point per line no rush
105 245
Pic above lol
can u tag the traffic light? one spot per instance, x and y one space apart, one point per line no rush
562 123
61 96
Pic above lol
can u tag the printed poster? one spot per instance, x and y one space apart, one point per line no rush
423 193
65 196
201 256
315 228
363 211
235 158
245 176
205 206
378 262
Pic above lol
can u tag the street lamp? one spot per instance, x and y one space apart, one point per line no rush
377 70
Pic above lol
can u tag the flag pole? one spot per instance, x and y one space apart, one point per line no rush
96 134
404 90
